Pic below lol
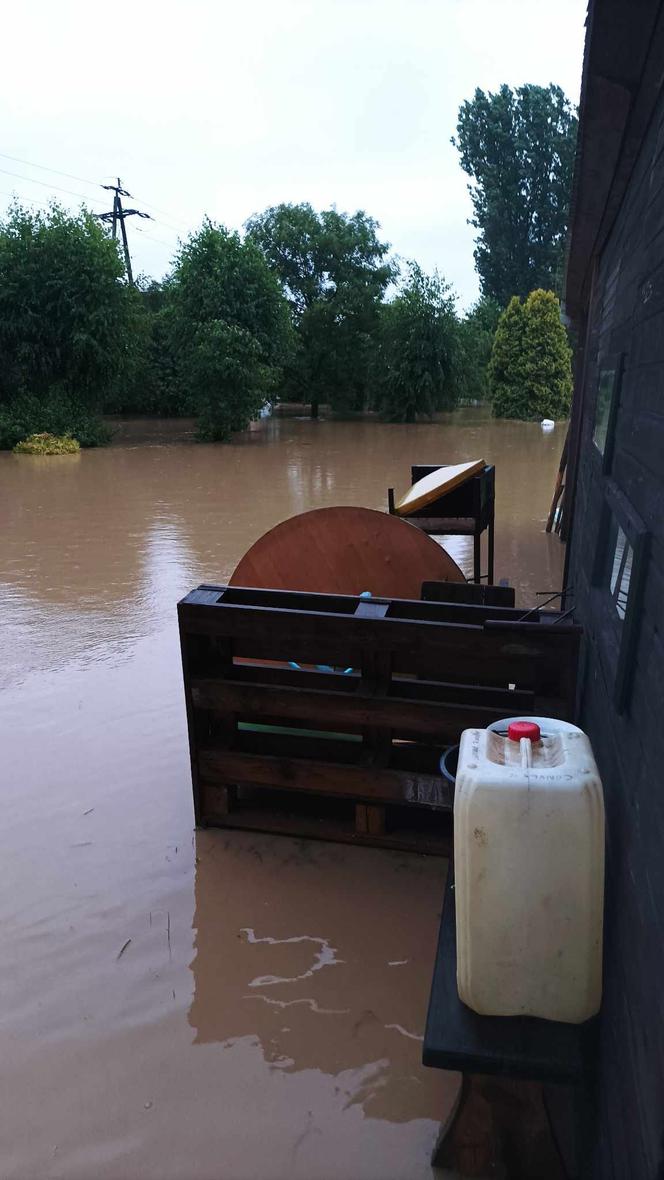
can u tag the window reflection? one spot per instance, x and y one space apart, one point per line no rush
603 408
620 571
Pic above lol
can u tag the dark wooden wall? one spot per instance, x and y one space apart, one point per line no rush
626 315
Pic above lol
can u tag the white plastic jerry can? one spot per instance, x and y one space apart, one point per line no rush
529 873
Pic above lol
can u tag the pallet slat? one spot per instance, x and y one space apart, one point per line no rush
440 720
363 783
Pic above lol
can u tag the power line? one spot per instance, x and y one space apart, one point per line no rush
152 238
43 168
117 213
82 180
178 224
43 183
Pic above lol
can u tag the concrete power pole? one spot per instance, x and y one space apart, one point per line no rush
118 214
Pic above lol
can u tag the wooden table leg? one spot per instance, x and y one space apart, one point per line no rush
491 547
477 557
498 1128
468 1142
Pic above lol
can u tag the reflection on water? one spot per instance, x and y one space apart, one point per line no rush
264 1017
333 973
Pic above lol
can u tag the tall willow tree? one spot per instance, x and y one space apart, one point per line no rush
518 148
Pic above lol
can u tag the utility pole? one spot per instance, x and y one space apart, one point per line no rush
116 214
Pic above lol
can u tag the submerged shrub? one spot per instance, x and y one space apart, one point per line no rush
47 444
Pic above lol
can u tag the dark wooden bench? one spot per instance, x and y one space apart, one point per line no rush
500 1120
340 697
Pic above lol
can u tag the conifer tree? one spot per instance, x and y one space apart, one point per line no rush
506 377
530 371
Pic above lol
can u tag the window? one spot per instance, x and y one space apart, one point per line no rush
606 407
621 557
618 581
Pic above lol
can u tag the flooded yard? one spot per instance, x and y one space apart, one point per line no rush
213 1005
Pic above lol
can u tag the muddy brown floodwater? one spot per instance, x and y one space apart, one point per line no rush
214 1005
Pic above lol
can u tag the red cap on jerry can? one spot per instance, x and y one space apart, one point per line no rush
523 729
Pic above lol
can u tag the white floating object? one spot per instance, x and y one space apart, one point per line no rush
529 857
547 424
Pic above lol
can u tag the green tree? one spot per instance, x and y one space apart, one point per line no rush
334 272
67 322
476 333
416 359
506 369
152 382
230 328
531 372
228 381
518 147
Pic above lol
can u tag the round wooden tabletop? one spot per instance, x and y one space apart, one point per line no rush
346 551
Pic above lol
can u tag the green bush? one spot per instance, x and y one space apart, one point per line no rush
47 444
530 373
55 414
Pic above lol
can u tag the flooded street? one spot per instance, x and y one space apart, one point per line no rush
217 1005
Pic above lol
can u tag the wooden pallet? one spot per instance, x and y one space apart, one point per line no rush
335 697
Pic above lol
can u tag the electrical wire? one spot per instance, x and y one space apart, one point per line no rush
179 225
27 201
44 184
43 168
152 238
80 196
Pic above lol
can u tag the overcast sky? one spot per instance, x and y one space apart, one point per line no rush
224 107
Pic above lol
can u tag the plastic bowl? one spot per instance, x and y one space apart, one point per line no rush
448 763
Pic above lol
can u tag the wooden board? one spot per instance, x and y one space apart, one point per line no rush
346 551
432 486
